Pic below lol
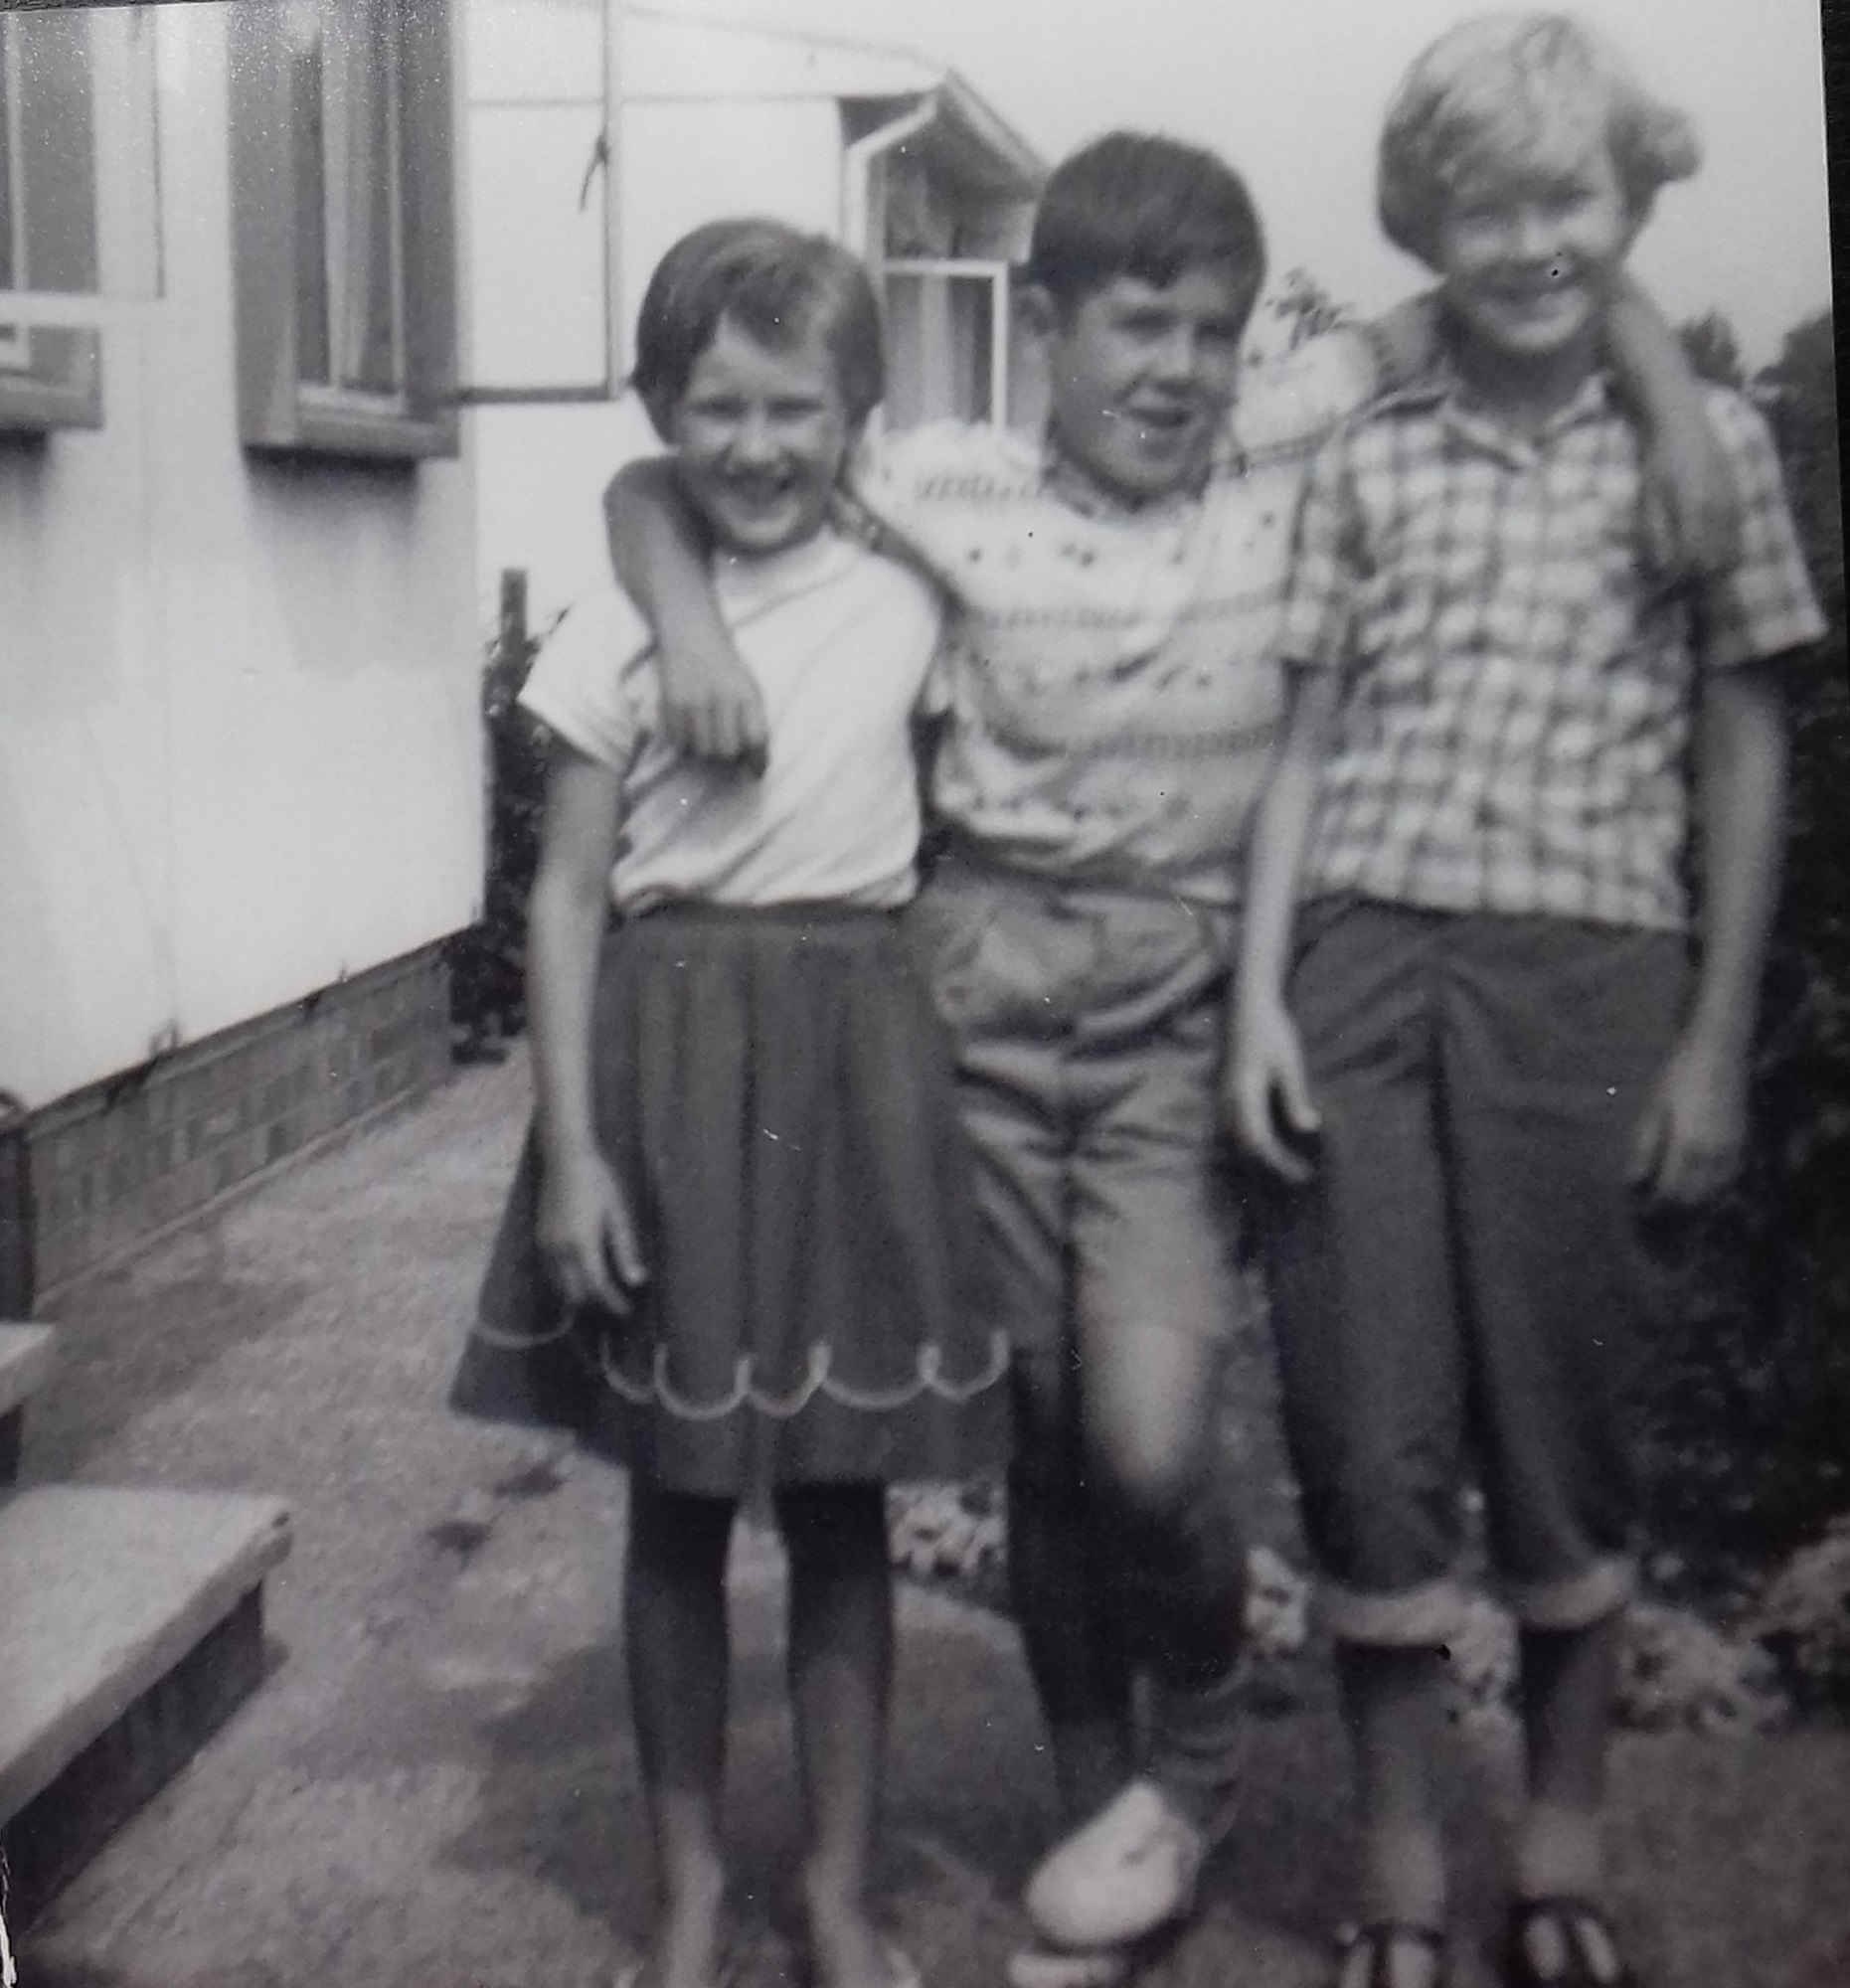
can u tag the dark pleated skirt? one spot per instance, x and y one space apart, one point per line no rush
773 1090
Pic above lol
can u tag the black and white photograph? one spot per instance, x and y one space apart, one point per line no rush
925 995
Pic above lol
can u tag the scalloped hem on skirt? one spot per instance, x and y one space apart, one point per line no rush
773 1090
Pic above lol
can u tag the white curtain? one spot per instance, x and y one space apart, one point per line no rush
360 79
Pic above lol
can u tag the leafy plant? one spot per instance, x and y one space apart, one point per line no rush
487 962
1750 1394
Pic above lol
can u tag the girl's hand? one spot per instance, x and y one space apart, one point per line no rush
1266 1093
1689 1143
588 1239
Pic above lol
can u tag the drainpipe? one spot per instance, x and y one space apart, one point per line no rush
857 177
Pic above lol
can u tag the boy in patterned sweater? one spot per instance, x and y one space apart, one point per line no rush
1113 708
1475 1048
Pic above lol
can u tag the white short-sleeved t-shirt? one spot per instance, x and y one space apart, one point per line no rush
840 643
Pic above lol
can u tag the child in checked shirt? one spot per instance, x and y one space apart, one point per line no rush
1468 1032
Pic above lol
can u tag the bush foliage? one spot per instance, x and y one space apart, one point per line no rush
1751 1394
488 961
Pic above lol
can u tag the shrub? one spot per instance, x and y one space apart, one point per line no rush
1750 1394
1804 1619
488 961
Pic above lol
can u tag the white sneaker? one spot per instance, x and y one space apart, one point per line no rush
1130 1870
1048 1967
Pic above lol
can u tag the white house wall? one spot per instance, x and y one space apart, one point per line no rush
240 754
682 162
670 54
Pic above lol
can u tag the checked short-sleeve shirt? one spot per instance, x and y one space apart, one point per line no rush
1518 684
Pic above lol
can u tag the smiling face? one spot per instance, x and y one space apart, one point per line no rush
1141 376
1528 256
760 433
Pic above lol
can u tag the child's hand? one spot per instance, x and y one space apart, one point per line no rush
1689 1143
711 708
1692 515
588 1239
1266 1093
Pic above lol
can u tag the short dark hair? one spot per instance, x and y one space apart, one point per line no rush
776 284
1130 205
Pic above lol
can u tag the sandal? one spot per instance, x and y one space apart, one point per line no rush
1589 1955
902 1969
1378 1940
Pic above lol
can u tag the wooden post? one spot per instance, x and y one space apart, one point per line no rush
17 1214
511 644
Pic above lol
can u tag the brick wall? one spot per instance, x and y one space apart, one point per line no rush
113 1163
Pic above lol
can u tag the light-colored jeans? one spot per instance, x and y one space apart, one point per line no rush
1087 1025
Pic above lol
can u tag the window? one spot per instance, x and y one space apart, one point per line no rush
542 190
344 204
947 341
50 374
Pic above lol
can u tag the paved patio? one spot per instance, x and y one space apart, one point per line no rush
434 1787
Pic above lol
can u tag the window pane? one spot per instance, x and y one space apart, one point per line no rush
368 337
55 189
310 183
940 344
8 266
360 144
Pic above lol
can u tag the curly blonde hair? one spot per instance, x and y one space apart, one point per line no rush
1512 90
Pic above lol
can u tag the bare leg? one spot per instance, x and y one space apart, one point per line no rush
674 1610
1394 1707
1568 1678
841 1673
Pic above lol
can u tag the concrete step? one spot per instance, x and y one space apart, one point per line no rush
130 1626
26 1360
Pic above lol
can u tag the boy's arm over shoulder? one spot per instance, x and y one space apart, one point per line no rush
711 706
1692 516
1298 398
1291 401
917 495
586 683
1764 605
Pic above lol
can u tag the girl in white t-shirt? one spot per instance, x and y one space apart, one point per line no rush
741 1253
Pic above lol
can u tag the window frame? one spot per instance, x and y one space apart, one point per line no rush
51 375
280 413
997 274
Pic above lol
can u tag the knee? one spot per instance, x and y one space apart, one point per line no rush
1148 1481
1148 1465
